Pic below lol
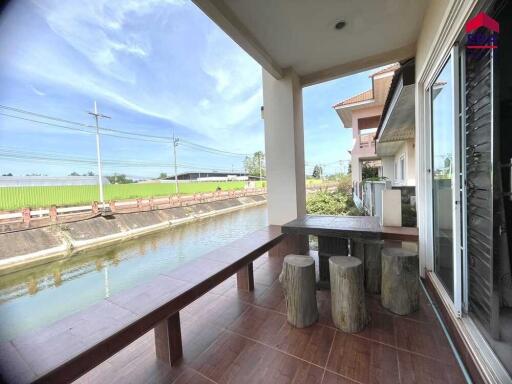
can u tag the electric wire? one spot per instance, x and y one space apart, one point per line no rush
120 133
14 153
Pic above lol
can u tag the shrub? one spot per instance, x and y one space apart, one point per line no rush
408 215
331 203
345 185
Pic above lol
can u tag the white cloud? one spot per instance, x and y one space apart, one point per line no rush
37 91
142 56
234 71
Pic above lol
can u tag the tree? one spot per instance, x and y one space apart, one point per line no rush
119 179
369 171
254 164
317 171
163 175
7 174
74 174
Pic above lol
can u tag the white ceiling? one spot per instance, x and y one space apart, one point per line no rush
301 34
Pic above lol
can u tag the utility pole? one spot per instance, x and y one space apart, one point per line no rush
97 116
342 167
175 142
259 160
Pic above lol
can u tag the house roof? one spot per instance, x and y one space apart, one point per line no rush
363 96
376 96
397 119
368 94
389 68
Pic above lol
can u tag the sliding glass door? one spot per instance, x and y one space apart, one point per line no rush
443 174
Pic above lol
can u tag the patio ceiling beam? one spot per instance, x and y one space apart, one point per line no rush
359 65
224 17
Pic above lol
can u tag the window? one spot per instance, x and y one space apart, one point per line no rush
399 169
402 167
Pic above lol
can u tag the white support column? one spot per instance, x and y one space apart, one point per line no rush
284 147
391 208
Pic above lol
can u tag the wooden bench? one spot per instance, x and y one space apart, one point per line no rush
65 350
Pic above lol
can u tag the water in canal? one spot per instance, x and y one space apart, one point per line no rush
39 296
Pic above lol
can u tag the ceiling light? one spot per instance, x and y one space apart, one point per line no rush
340 24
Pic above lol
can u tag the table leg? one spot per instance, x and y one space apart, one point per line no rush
327 247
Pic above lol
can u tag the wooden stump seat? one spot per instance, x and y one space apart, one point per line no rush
400 280
299 284
369 251
348 303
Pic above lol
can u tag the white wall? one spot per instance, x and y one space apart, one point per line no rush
391 208
430 27
357 152
408 150
284 147
388 164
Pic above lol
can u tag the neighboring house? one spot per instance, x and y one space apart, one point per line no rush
395 134
382 122
362 113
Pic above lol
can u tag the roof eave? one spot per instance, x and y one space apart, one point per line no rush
345 111
404 76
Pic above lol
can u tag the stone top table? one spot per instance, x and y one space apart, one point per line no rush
333 233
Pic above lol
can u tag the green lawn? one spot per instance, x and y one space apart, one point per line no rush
36 197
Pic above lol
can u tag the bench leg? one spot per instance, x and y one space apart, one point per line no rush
168 340
245 278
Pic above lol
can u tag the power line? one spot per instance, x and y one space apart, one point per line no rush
123 133
212 149
19 110
80 130
14 153
43 122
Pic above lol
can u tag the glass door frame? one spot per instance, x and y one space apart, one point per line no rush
458 169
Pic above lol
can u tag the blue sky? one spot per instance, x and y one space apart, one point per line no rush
154 66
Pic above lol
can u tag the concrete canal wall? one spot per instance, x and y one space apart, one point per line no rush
36 246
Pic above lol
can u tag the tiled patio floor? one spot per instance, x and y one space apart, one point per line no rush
231 336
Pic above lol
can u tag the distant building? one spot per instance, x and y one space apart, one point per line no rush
39 181
212 176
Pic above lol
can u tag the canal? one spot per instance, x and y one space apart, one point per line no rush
39 296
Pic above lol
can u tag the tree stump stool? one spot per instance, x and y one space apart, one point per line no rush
373 266
298 280
348 303
400 280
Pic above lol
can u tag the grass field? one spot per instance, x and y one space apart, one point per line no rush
36 197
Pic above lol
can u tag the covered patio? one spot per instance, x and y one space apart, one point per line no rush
233 333
232 336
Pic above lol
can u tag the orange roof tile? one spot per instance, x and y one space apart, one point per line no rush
363 96
389 68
